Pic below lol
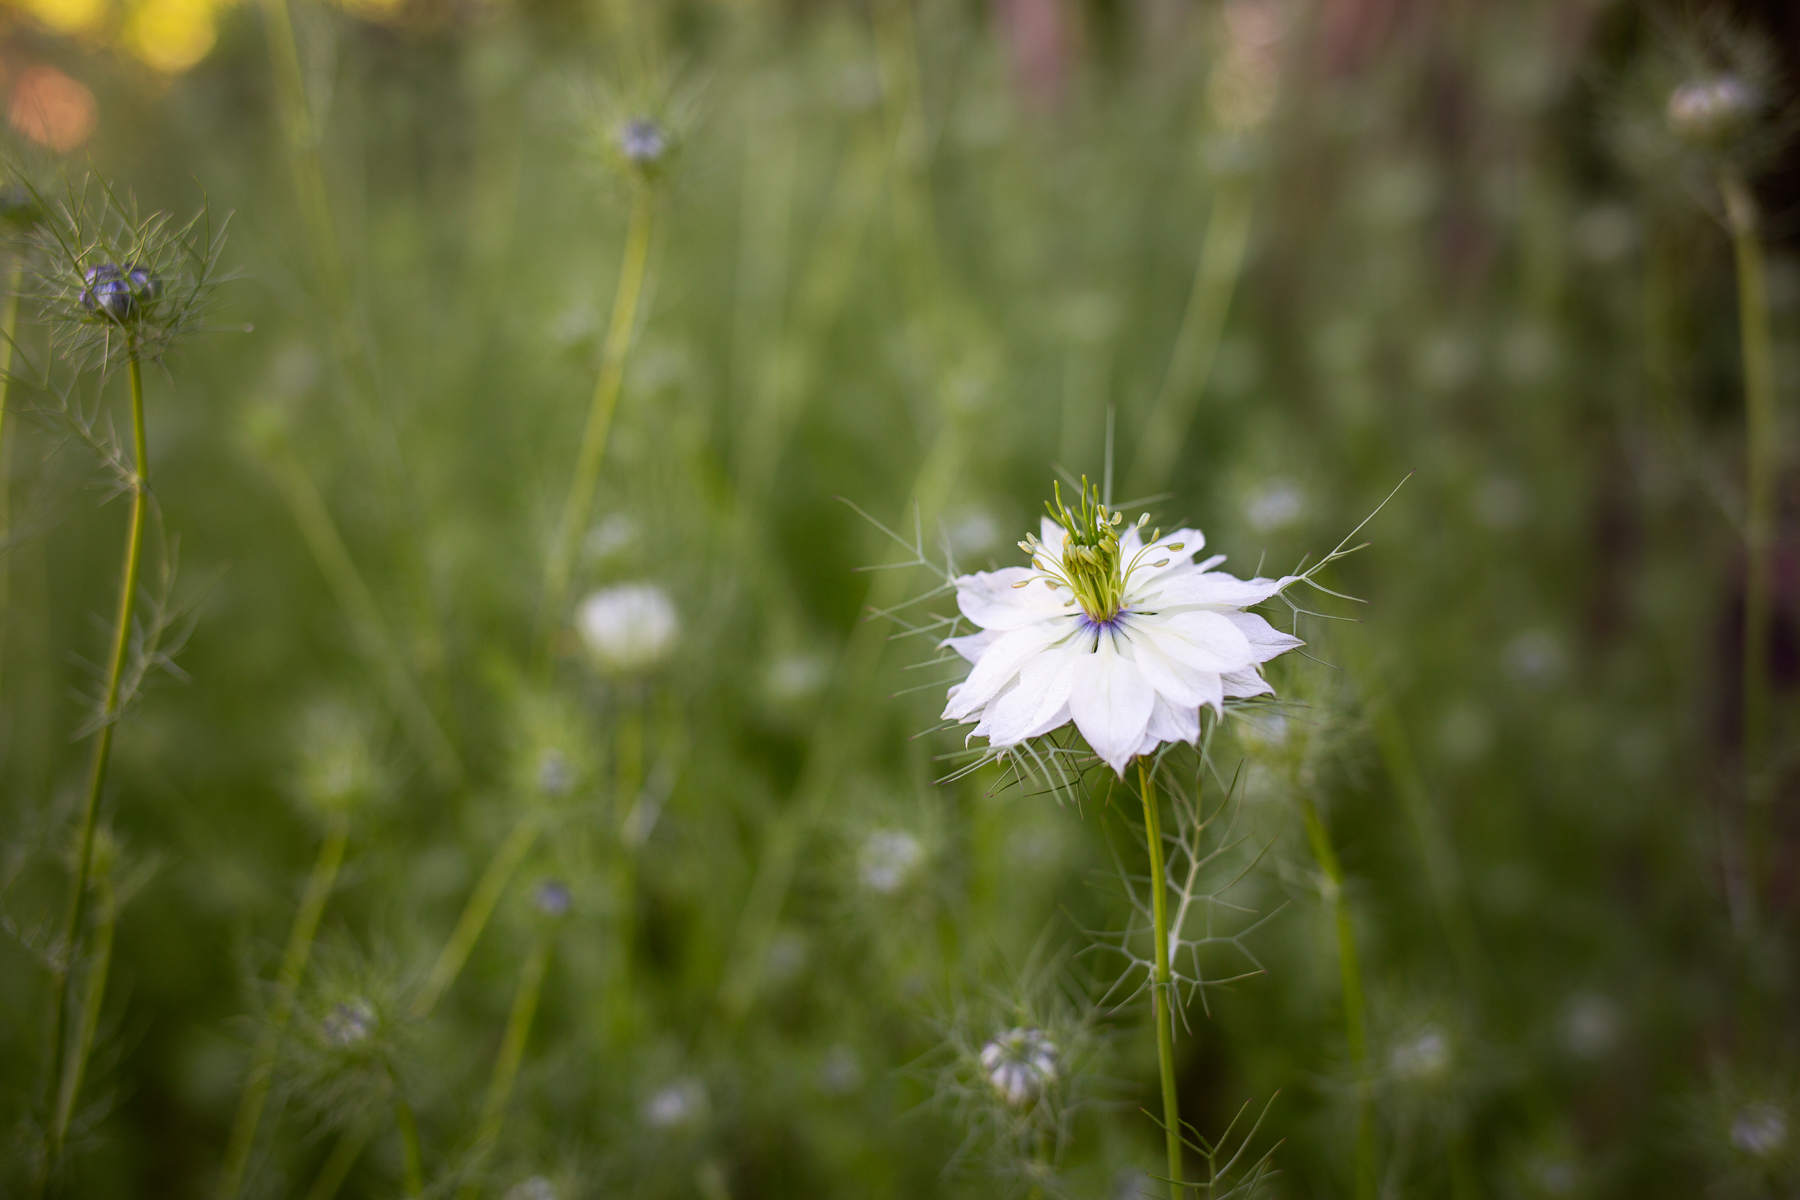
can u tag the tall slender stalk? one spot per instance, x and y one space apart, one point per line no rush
63 1068
412 1155
579 502
287 982
512 1051
1760 461
9 324
1356 1030
90 1005
1162 986
337 1166
475 914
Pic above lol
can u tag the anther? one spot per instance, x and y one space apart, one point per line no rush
1021 583
1177 545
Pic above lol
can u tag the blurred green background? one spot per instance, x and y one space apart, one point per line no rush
911 254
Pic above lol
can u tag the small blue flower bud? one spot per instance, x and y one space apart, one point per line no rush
144 285
642 142
108 292
553 898
350 1023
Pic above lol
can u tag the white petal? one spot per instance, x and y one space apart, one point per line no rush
1201 640
1173 681
1043 691
1216 589
1266 641
989 598
1110 703
1173 722
1241 685
971 646
1000 664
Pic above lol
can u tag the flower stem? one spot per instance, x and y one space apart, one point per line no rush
413 1160
1759 509
1162 987
580 500
343 1156
9 323
62 1069
90 1006
293 965
475 914
512 1050
1356 1031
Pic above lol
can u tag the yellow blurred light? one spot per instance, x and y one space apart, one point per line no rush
66 16
171 35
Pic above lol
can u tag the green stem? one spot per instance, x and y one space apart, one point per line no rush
90 1005
1356 1030
1761 460
512 1050
580 501
320 532
412 1158
331 1176
1197 344
9 323
293 965
84 856
475 914
1162 987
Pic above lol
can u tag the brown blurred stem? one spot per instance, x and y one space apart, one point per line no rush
1760 457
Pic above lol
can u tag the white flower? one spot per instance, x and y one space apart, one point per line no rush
628 629
889 857
1759 1129
1127 639
677 1106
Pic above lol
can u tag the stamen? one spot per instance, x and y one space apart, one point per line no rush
1021 583
1177 545
1161 562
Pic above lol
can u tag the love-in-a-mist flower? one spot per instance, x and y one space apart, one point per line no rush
1020 1064
630 628
1128 638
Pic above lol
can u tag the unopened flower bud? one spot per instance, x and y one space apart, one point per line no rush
1760 1130
118 293
554 775
1706 111
641 141
552 898
349 1024
1021 1065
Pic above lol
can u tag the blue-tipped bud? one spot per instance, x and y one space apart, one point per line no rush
642 143
118 293
349 1024
552 898
1704 112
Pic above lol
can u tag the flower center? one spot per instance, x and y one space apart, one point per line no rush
1092 566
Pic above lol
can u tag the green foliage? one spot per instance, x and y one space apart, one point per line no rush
1268 258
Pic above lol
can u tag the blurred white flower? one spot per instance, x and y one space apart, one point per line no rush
614 533
1020 1064
841 1073
889 858
1760 1130
1275 506
679 1105
535 1188
1126 639
1535 658
1424 1056
628 629
1705 110
1590 1025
